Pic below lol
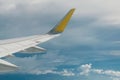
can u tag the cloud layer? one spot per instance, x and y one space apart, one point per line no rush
87 69
91 36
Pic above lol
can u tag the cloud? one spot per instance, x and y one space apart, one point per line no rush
96 8
95 25
65 72
107 72
23 15
87 69
115 75
43 64
84 70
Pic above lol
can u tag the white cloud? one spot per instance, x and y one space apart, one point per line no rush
65 72
107 72
85 69
98 71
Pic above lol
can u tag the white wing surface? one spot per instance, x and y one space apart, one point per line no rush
29 44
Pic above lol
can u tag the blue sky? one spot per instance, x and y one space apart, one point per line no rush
88 49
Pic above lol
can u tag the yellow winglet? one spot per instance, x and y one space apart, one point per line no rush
63 23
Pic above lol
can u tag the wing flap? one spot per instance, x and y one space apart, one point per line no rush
6 66
34 49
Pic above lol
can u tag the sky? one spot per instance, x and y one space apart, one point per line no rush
89 49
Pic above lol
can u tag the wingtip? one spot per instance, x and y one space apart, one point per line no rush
59 28
73 9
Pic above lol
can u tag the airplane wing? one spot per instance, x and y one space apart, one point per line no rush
29 44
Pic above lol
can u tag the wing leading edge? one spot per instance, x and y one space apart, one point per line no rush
29 44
